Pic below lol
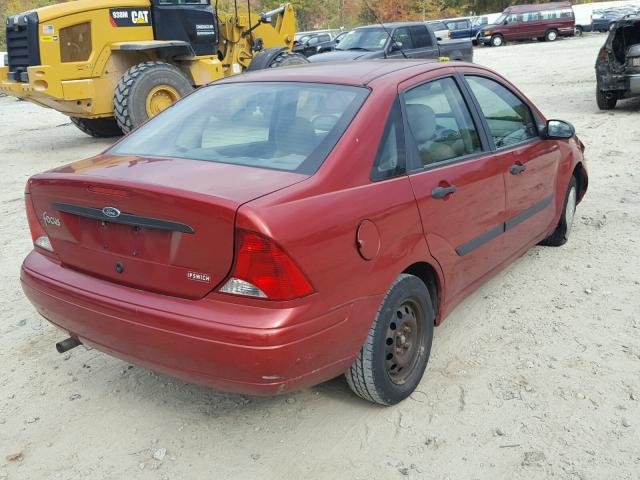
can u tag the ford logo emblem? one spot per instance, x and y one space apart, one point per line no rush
111 212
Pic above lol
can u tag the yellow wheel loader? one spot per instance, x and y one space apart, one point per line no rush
112 64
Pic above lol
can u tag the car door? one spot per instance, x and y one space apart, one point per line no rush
459 186
423 45
531 163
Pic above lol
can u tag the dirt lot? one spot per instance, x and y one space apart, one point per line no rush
536 375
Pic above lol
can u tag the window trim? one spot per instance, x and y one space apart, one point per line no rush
413 162
400 139
536 119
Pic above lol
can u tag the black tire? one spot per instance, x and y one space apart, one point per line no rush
98 127
286 59
497 41
561 234
130 98
603 102
372 375
551 35
578 31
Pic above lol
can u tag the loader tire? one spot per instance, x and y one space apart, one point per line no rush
98 127
145 90
286 59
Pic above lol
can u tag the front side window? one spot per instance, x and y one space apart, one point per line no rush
402 36
288 126
509 119
440 122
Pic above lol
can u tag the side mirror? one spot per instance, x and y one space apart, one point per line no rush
506 22
558 129
396 46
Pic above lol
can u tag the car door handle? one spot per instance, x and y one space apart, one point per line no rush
517 168
441 192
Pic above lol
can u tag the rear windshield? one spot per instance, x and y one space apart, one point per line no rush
277 125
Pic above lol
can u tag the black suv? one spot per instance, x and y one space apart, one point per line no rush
618 64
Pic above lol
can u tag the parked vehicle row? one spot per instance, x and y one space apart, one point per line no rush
396 40
603 19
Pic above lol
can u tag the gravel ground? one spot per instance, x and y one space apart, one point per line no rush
536 375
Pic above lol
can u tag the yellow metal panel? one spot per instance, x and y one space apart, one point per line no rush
78 89
62 9
205 70
103 34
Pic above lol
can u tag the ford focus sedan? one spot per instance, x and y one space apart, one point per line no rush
277 229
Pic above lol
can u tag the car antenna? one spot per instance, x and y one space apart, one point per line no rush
384 28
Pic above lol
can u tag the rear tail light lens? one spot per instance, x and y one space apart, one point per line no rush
38 235
263 270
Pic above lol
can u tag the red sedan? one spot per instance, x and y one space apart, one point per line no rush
277 229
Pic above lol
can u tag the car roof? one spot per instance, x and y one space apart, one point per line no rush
352 72
391 25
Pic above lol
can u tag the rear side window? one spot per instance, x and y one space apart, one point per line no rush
390 159
509 119
288 126
420 36
440 122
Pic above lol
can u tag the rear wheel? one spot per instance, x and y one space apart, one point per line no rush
561 234
147 89
286 59
578 31
606 100
98 127
551 36
497 41
392 361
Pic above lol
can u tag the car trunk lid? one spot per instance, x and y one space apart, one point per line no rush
163 225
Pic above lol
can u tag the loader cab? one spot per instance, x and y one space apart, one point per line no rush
192 21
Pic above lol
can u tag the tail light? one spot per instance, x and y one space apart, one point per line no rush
38 235
263 270
602 54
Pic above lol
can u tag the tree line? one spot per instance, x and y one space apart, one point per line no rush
321 14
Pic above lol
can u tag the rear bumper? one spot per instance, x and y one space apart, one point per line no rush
46 88
199 341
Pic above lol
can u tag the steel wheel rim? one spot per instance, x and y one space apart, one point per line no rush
404 342
552 36
160 98
570 209
497 41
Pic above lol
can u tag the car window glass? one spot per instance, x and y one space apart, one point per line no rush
402 35
509 119
312 41
284 125
440 122
420 37
390 159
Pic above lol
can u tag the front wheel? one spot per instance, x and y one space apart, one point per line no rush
561 234
578 31
394 356
497 41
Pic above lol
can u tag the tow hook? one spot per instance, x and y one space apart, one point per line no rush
68 344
